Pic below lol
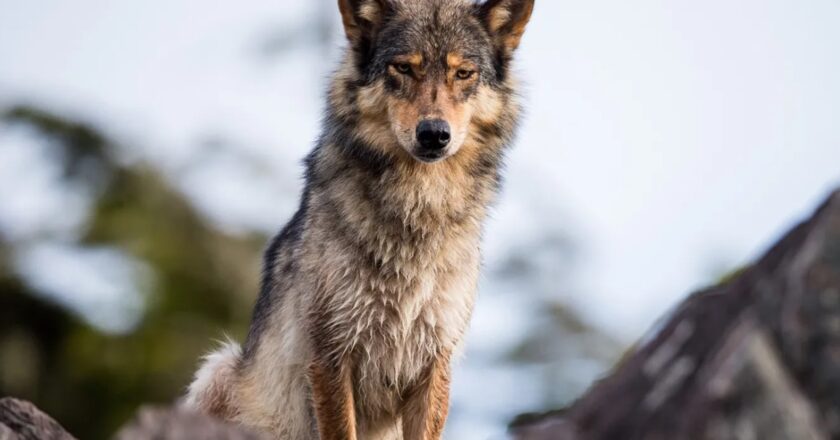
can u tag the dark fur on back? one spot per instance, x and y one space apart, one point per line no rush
269 294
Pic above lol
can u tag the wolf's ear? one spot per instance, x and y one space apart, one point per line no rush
362 18
506 20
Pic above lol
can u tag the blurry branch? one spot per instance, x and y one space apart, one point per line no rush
755 357
81 146
312 32
544 345
200 280
138 210
317 30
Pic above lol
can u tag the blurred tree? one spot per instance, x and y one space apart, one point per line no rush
561 348
200 280
316 31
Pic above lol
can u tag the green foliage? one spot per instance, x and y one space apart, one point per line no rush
199 281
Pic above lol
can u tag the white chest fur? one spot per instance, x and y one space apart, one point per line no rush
397 317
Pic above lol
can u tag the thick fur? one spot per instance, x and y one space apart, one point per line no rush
211 388
367 292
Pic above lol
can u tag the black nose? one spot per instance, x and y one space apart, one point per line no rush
433 134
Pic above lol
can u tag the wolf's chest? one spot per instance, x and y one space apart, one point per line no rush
397 329
402 327
392 353
395 351
397 297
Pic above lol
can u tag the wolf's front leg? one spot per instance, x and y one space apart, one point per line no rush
332 397
426 408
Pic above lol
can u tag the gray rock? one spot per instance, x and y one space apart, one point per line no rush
757 357
153 423
21 420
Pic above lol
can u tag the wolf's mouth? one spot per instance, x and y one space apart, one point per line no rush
430 156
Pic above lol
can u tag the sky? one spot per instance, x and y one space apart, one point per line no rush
671 141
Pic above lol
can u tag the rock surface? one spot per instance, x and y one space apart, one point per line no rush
757 357
153 423
20 420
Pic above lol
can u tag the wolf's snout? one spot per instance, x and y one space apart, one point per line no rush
433 134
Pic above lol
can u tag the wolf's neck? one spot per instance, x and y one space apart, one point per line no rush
412 221
416 196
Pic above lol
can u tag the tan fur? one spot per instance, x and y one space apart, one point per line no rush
370 11
510 26
394 323
353 19
332 398
499 18
414 59
367 306
428 405
211 389
438 97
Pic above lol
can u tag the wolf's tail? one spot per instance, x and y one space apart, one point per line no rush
211 391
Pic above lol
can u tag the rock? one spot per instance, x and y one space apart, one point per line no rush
153 423
21 420
757 357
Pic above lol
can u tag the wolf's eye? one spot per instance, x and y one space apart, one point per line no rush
403 68
464 74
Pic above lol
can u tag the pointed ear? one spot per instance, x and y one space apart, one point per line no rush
362 18
506 20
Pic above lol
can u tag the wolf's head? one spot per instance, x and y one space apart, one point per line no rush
427 77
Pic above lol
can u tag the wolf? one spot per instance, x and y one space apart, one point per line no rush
368 290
